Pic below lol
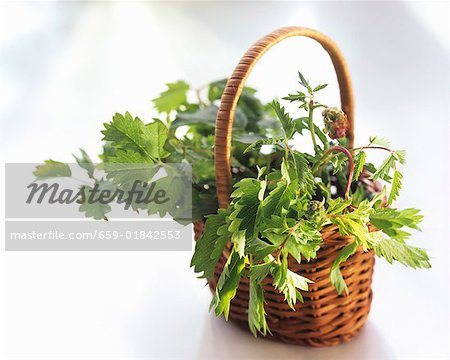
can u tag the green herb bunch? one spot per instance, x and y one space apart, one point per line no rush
281 211
182 132
282 197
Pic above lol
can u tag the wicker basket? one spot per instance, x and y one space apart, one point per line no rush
325 318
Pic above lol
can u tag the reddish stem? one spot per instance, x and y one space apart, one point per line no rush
351 165
374 147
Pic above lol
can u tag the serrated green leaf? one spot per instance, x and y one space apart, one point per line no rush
360 160
52 169
93 209
155 136
385 167
124 131
299 96
256 313
301 124
391 221
227 285
259 272
353 224
178 203
279 199
305 241
381 141
304 82
172 98
322 137
320 87
401 156
259 249
209 247
337 206
336 278
238 239
407 255
108 152
244 211
125 167
304 174
293 250
288 282
86 163
338 161
279 271
395 187
130 134
286 121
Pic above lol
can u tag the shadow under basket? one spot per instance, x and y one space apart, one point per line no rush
325 318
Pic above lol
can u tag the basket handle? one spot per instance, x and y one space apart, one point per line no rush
235 84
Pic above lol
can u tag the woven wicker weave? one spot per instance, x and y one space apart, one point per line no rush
325 318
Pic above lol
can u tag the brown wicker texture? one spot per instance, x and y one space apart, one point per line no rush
325 318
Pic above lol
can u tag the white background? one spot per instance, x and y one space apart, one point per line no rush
65 68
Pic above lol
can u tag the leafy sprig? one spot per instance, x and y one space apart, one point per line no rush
280 213
183 131
283 197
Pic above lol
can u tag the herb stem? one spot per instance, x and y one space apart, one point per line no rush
311 123
291 231
372 147
351 165
286 144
